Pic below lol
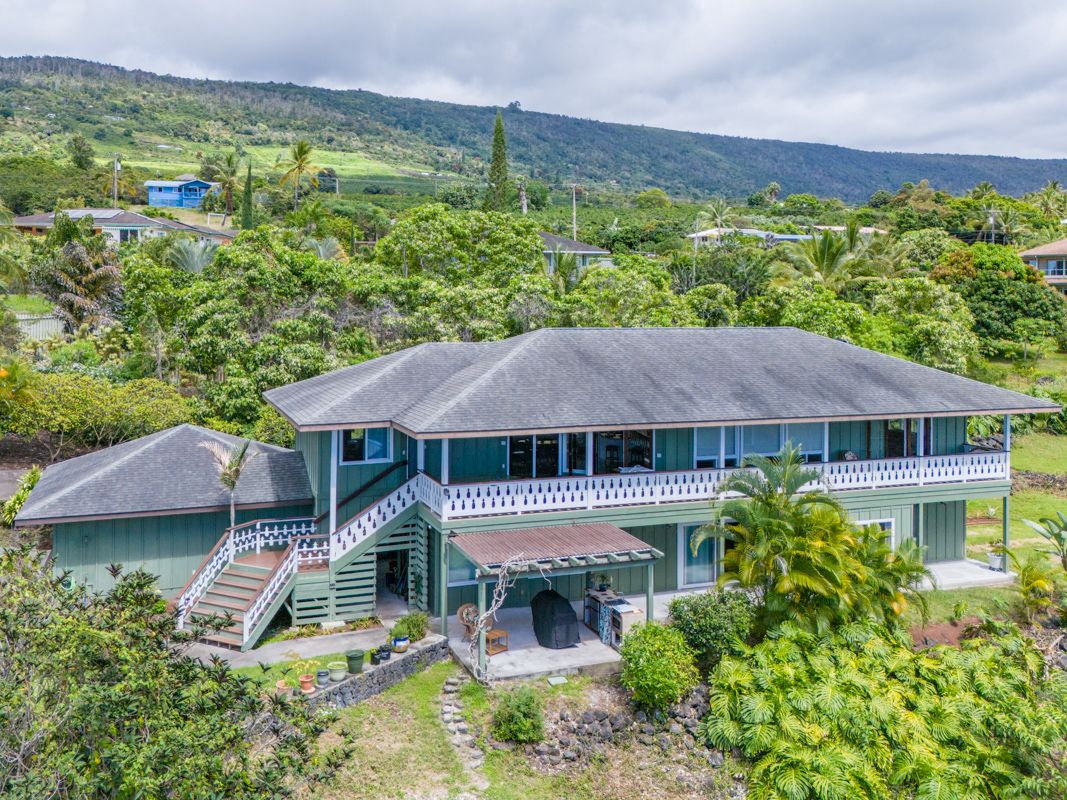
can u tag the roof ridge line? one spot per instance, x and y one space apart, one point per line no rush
482 378
217 436
350 391
135 451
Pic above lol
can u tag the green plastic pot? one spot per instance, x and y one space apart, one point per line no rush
355 661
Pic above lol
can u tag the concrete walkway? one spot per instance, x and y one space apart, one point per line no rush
294 648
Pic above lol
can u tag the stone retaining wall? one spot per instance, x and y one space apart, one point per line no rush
375 680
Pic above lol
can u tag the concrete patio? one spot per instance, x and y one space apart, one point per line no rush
966 574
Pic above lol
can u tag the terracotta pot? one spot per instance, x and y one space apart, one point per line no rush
307 683
281 688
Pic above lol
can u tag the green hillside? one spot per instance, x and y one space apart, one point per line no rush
162 123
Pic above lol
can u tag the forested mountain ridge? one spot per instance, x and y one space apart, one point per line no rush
44 99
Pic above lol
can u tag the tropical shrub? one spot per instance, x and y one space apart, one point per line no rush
658 666
858 714
714 623
99 701
412 625
13 504
519 716
71 409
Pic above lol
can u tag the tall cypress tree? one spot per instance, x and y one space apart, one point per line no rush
496 194
246 201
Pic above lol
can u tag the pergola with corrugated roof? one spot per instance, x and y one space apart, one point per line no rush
557 550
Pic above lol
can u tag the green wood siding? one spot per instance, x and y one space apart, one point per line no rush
315 445
479 459
948 435
854 436
171 546
432 466
945 531
902 514
674 449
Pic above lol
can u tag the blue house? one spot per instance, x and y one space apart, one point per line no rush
185 192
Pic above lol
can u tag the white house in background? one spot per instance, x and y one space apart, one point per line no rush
769 237
122 225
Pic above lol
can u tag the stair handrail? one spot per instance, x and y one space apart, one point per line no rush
403 496
278 577
217 559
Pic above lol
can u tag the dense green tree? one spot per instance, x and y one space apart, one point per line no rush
652 198
1000 289
924 248
496 193
247 218
811 307
80 152
101 700
634 293
713 304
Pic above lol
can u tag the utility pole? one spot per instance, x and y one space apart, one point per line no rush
574 211
115 167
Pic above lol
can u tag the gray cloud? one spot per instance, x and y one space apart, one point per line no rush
975 77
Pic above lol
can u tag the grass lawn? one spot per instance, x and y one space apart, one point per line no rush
401 748
997 600
27 303
1029 504
1040 452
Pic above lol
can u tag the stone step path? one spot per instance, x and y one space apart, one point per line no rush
470 754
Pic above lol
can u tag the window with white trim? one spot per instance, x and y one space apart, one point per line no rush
706 447
366 445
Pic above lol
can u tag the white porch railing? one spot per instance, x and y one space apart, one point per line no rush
421 488
605 491
304 552
246 538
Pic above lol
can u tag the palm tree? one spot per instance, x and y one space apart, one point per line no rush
563 271
13 273
230 463
982 190
298 166
226 177
324 247
85 285
824 258
191 255
1050 200
714 214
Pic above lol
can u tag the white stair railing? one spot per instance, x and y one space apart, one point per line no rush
370 520
254 536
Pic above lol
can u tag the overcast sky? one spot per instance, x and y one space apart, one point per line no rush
935 75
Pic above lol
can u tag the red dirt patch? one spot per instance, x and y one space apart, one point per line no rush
950 633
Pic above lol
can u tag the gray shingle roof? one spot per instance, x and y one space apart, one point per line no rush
166 471
579 378
565 245
117 217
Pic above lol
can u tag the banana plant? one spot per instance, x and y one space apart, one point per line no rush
1053 531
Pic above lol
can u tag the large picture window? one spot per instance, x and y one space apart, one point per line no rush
708 441
808 436
763 440
366 445
533 456
618 450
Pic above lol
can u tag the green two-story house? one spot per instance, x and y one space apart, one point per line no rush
576 452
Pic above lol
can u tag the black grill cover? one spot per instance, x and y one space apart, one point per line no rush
554 622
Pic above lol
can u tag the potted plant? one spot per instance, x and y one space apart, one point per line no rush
338 671
375 657
399 636
355 661
281 687
305 676
996 557
603 582
322 677
385 651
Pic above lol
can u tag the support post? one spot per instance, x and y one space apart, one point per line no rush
722 448
444 462
1007 433
1005 530
589 454
650 590
825 442
420 455
920 528
481 630
334 436
442 584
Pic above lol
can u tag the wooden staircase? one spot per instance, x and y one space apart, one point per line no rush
232 592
